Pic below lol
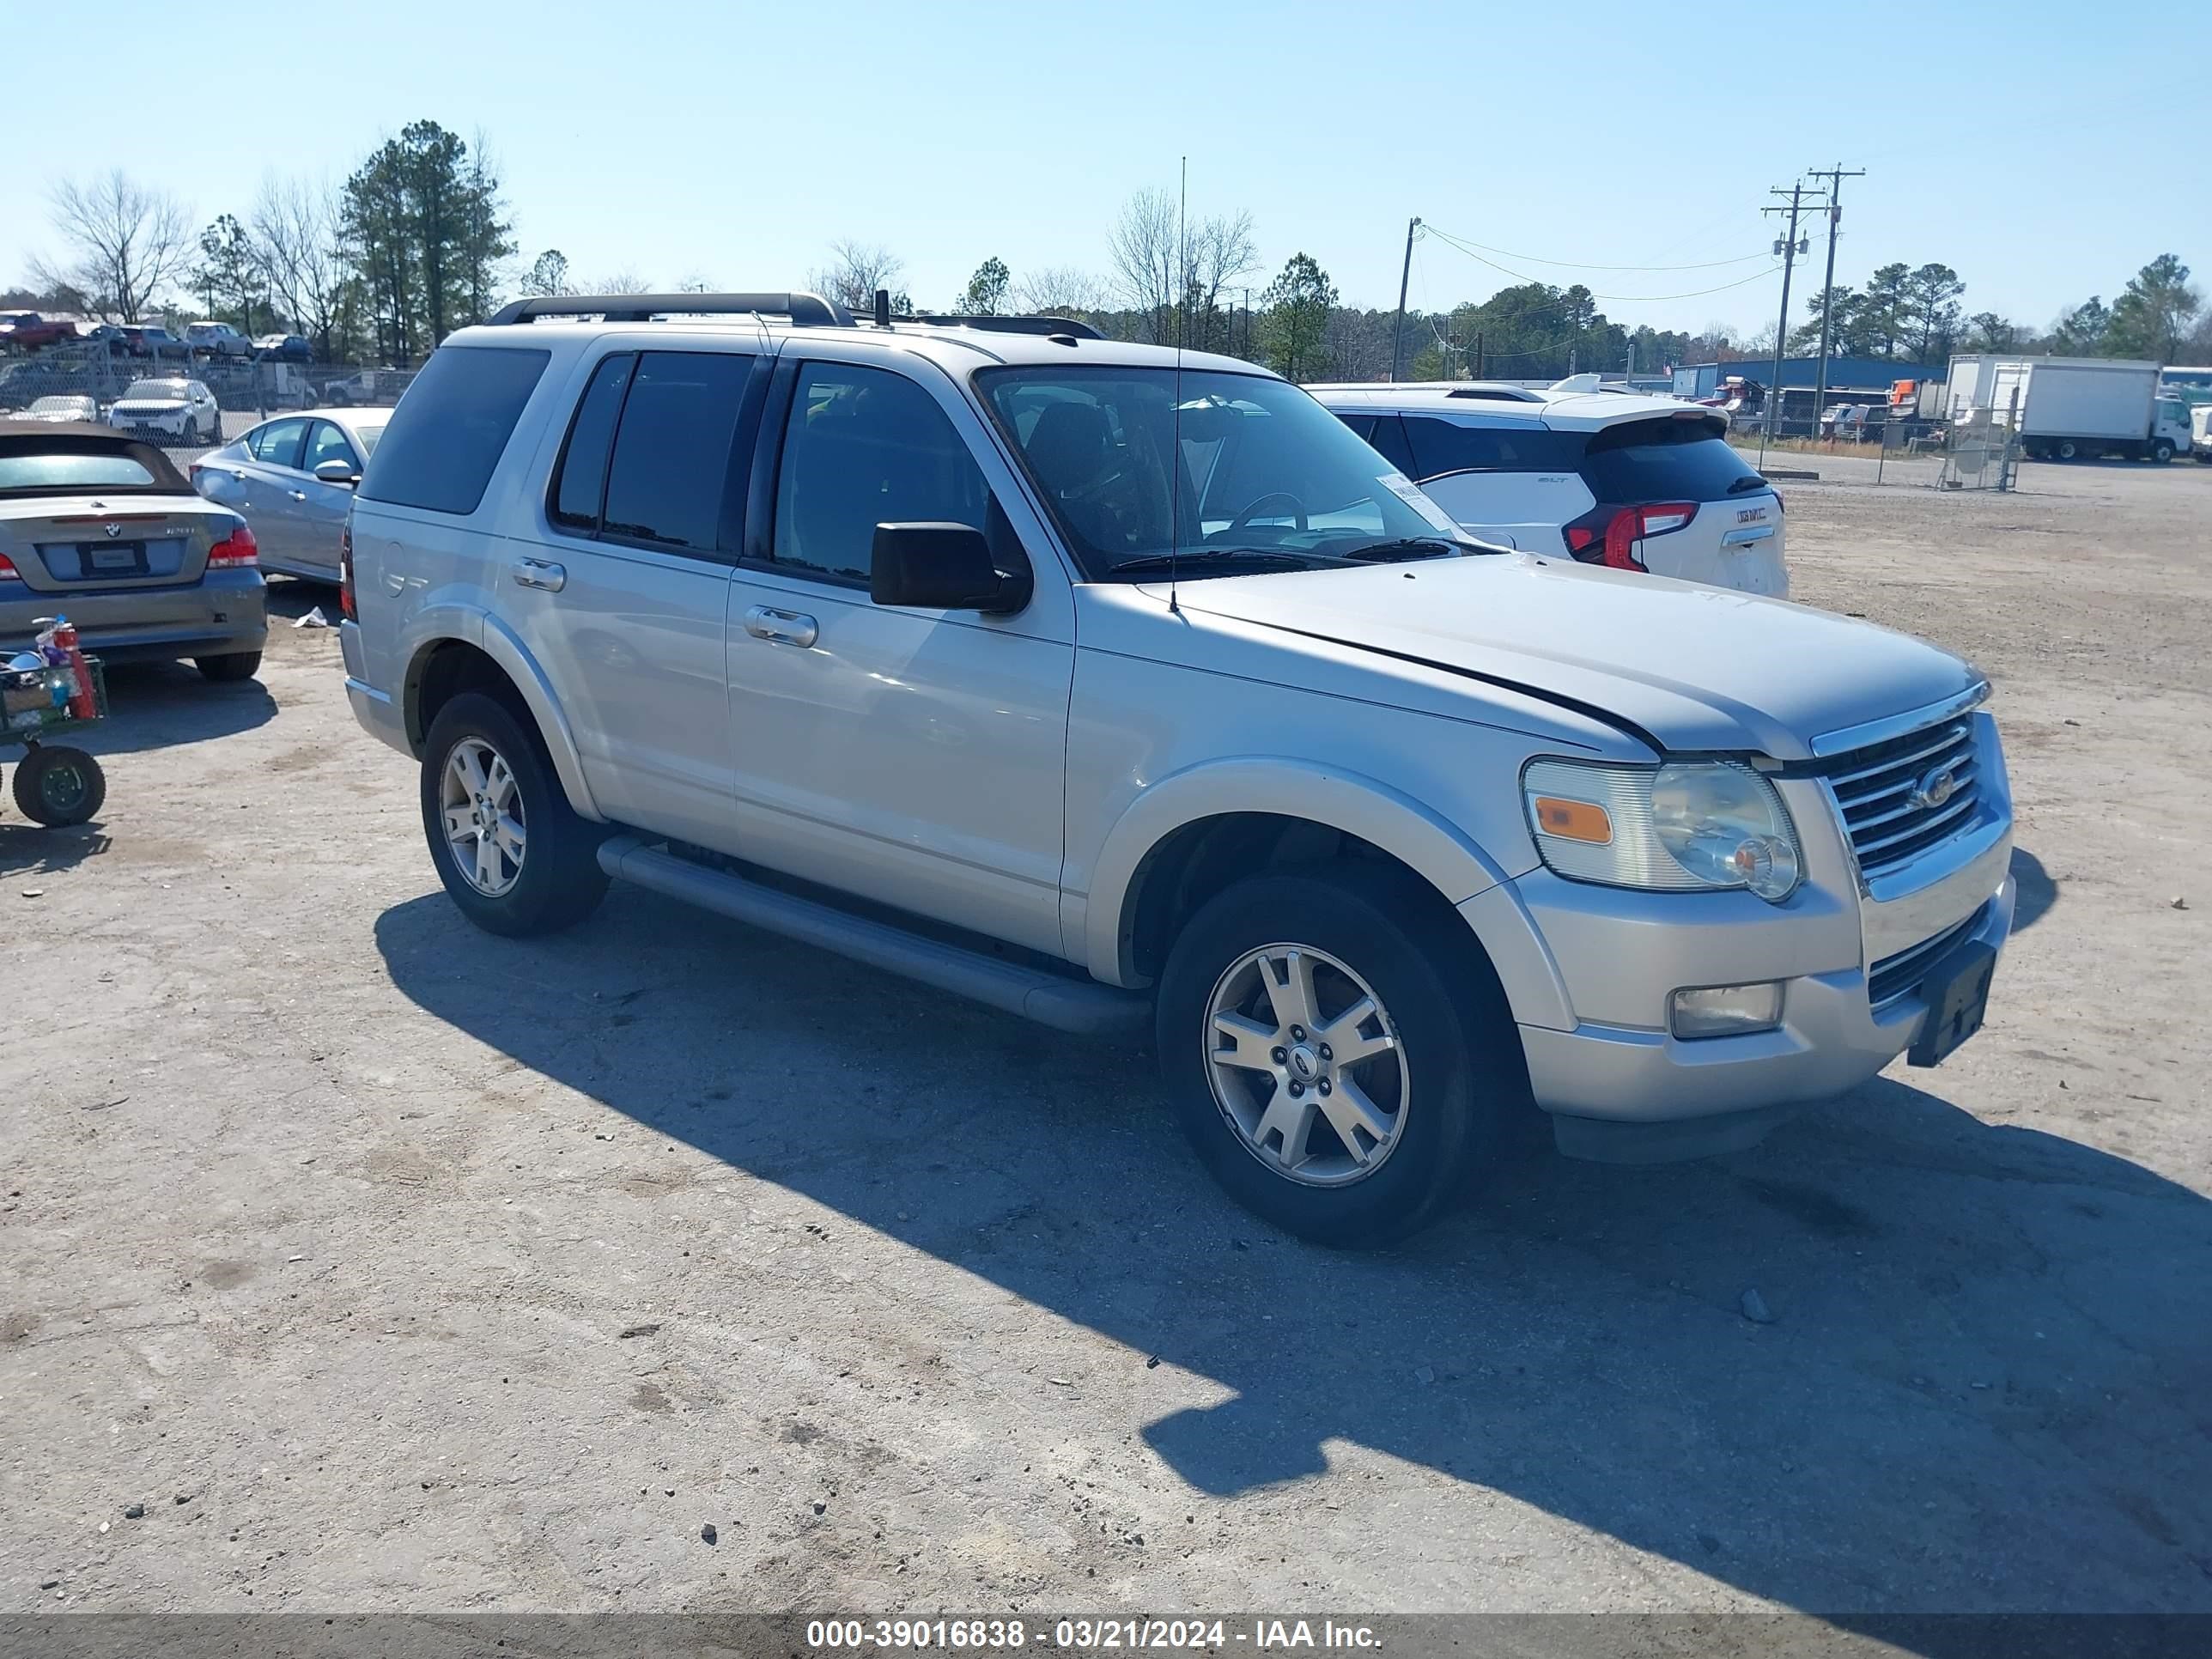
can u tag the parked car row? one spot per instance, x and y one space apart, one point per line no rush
292 480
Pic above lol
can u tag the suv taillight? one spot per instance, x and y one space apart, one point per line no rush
236 551
1608 535
346 572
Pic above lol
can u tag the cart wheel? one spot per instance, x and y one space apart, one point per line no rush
60 786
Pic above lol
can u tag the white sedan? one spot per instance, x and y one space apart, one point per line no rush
172 411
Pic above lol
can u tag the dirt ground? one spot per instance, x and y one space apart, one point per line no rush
388 1265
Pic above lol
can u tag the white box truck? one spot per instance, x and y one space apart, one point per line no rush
2075 408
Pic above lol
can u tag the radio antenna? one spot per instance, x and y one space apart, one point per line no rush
1175 427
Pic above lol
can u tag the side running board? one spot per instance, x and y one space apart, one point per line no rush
1082 1007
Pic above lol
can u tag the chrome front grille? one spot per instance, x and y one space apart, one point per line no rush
1899 976
1900 797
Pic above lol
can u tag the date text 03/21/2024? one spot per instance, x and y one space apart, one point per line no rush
1088 1634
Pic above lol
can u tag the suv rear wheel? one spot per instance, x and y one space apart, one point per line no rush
511 852
1331 1069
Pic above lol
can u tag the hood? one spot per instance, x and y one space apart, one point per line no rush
1694 668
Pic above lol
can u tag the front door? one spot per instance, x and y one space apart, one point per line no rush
320 509
622 595
916 757
271 491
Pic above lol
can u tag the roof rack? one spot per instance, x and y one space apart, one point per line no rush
1044 326
806 310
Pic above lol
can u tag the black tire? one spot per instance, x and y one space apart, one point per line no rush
234 665
2066 451
2161 452
558 881
57 786
1465 1084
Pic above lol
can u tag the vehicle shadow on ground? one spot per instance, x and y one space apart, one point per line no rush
158 704
1983 1387
2034 890
30 850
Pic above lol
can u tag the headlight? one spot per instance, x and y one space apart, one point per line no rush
1692 824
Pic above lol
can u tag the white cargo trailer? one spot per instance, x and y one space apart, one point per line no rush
2075 408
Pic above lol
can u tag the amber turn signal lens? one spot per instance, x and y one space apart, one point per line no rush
1573 820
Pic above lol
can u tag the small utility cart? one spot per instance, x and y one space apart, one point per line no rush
55 783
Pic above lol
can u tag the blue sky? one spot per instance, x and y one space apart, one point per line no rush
2044 155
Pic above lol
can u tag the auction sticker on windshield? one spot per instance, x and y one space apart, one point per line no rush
1410 493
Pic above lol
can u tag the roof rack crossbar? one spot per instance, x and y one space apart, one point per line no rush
806 310
1045 326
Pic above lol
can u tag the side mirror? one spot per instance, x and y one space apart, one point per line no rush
337 472
945 566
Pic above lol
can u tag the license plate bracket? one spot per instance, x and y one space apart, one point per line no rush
1957 993
112 558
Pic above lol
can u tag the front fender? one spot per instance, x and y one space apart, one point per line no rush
1441 853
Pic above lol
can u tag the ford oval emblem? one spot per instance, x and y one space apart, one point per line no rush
1932 791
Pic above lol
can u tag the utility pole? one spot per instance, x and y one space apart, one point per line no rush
1478 354
1789 250
1835 176
1405 275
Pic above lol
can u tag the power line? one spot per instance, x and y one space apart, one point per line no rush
1619 299
1584 265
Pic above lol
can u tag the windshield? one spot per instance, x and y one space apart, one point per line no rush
65 405
159 390
1138 463
366 436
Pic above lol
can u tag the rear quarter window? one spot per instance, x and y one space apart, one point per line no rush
1666 459
1440 446
444 440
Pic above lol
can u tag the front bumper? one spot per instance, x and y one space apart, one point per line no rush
1593 1026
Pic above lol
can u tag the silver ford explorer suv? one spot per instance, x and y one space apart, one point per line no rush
1117 688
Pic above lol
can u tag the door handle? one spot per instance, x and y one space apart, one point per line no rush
765 623
540 573
297 494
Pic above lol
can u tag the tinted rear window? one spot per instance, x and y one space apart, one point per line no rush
671 455
1665 460
450 429
1441 446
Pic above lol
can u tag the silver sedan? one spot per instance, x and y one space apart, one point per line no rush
292 478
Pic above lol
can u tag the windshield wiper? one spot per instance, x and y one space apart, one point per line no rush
1210 555
1751 481
1417 547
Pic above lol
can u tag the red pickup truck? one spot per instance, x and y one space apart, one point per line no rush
27 331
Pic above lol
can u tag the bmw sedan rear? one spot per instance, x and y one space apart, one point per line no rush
101 528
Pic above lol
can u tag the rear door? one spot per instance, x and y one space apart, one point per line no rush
622 598
268 489
1504 480
321 515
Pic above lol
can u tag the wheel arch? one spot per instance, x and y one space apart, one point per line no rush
499 665
1186 836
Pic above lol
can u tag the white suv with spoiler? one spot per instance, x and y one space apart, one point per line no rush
1128 691
1605 477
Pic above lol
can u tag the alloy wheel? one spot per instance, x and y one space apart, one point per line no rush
1305 1065
482 809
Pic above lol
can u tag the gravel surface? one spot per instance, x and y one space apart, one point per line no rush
357 1259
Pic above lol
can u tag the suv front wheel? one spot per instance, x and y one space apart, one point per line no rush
1330 1067
511 852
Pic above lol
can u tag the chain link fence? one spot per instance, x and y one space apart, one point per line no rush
245 390
1982 448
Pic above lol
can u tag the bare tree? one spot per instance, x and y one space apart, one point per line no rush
855 271
625 281
1142 246
1216 254
1060 291
294 227
125 241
